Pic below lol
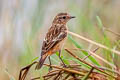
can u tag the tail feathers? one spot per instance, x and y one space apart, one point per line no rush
41 61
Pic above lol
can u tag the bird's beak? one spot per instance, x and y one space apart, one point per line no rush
72 17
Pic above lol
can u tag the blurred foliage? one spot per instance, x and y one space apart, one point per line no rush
23 24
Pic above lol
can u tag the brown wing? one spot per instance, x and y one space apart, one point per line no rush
54 36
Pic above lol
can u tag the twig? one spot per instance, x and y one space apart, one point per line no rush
101 59
112 32
35 78
88 63
25 69
74 77
67 76
57 77
66 69
52 73
90 54
107 69
86 76
93 53
74 65
95 43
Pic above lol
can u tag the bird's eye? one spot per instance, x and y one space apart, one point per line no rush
64 17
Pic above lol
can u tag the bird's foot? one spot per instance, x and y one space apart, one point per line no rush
50 68
64 65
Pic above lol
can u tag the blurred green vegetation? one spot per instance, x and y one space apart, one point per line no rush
23 24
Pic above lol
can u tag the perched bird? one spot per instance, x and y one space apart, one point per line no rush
55 38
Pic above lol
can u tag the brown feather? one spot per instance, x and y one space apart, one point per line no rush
55 37
41 61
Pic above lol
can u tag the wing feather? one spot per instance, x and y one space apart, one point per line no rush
54 36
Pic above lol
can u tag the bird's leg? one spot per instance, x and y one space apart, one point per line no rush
61 58
50 68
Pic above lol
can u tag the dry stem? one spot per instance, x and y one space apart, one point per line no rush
93 42
88 63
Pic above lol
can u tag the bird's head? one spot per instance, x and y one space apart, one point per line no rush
62 18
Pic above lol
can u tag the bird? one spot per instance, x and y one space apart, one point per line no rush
55 38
